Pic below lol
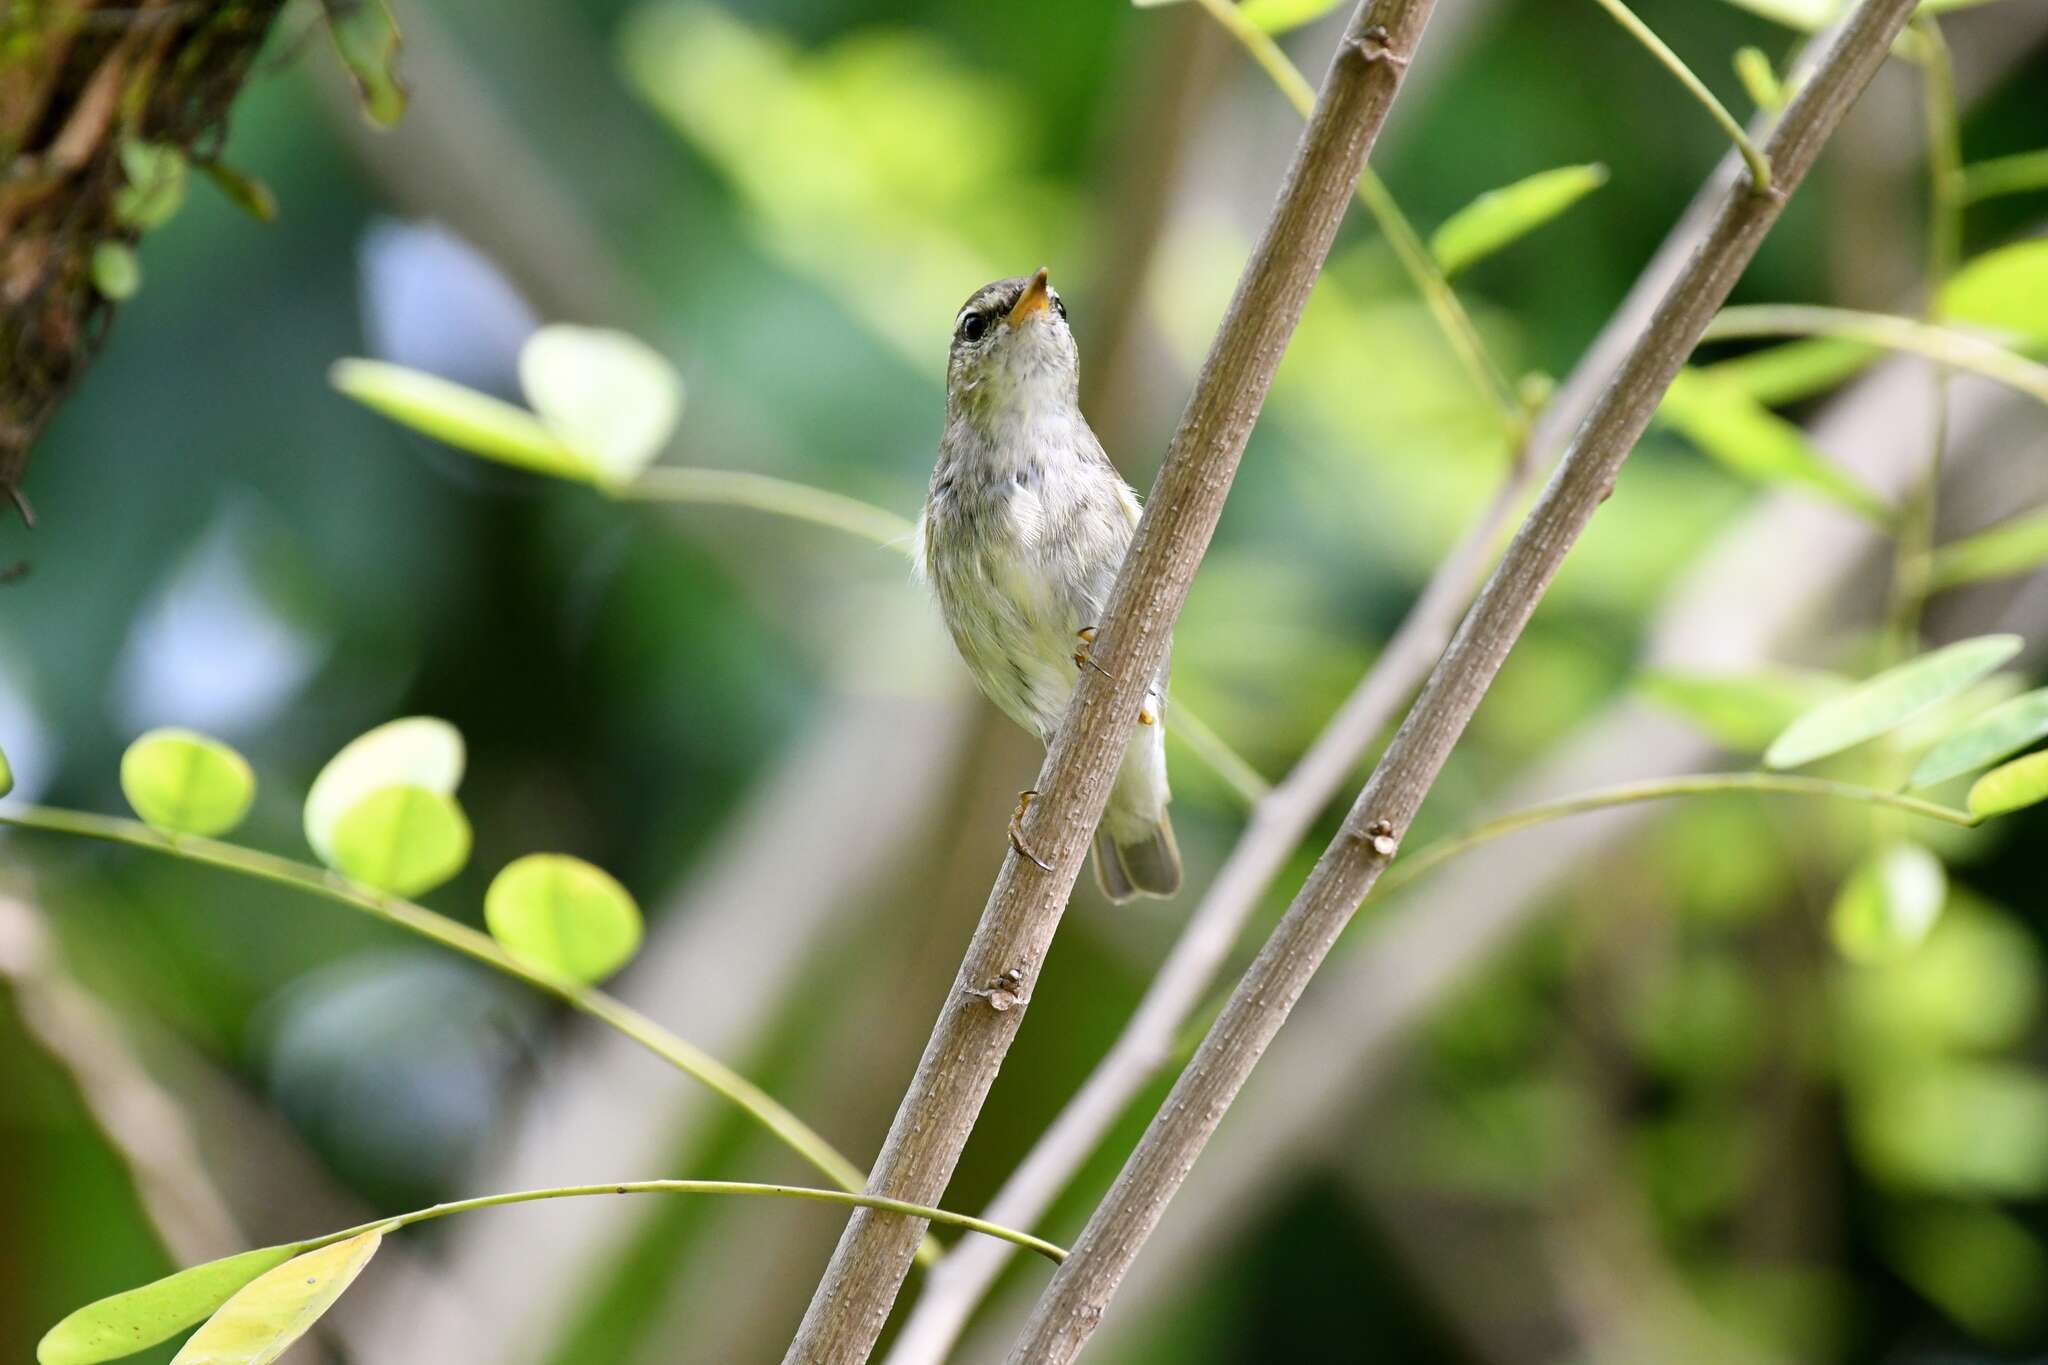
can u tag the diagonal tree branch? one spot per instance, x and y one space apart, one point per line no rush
1073 1304
984 1009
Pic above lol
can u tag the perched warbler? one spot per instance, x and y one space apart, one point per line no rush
1024 527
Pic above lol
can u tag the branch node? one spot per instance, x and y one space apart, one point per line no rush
1380 834
1005 993
1376 46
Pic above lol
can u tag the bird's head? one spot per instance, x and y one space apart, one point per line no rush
1012 351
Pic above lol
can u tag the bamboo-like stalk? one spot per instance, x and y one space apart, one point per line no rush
1074 1303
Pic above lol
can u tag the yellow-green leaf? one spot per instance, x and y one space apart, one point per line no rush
1744 711
367 38
1759 78
122 1324
1278 16
2013 786
1889 904
186 783
418 751
6 774
405 840
116 273
274 1310
1888 700
1786 373
246 192
155 188
464 418
2022 173
2012 547
1501 216
1747 438
608 396
2005 290
2004 729
562 913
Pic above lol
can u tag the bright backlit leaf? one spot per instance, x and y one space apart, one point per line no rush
6 774
367 38
1499 217
2005 290
2013 786
182 782
1888 700
122 1324
116 271
1889 904
608 396
1793 370
1278 16
275 1309
563 914
418 751
2003 730
1743 711
405 840
155 188
2012 547
1960 1127
464 418
1742 435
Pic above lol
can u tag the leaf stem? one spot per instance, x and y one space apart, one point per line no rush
764 493
1437 294
1945 345
1759 165
762 1107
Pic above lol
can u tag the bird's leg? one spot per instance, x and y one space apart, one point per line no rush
1146 715
1082 657
1024 800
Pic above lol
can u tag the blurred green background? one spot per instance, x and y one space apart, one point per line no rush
1669 1118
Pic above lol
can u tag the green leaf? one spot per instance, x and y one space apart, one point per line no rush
563 914
1888 700
1759 78
418 751
1747 438
367 38
1889 904
125 1323
1499 217
471 421
2014 786
608 396
1777 375
116 273
2012 547
1805 15
2006 290
2019 174
245 192
1951 346
6 774
1278 16
155 188
274 1310
1744 712
182 782
405 840
2003 730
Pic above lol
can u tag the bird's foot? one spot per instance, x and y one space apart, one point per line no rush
1146 715
1082 657
1024 800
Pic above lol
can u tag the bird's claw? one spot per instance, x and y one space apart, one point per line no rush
1024 800
1082 657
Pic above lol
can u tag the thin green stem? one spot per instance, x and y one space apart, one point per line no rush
763 1108
1416 865
763 493
844 1198
1759 165
1944 345
1249 784
1437 294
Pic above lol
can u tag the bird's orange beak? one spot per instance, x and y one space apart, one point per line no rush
1034 299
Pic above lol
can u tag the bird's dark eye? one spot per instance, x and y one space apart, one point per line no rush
972 326
1059 306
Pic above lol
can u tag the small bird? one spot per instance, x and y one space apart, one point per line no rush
1024 528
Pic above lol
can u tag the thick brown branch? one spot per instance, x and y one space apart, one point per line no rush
72 90
1073 1304
1009 944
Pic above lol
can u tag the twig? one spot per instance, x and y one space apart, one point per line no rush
1759 164
968 1044
1073 1304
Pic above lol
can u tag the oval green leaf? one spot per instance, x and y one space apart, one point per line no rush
116 273
1889 904
182 782
608 396
1278 16
1747 438
2014 786
6 774
1499 217
2005 729
464 418
122 1324
2021 173
274 1310
155 188
405 840
2012 547
418 751
2005 290
1786 373
563 914
1744 711
367 37
1888 700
